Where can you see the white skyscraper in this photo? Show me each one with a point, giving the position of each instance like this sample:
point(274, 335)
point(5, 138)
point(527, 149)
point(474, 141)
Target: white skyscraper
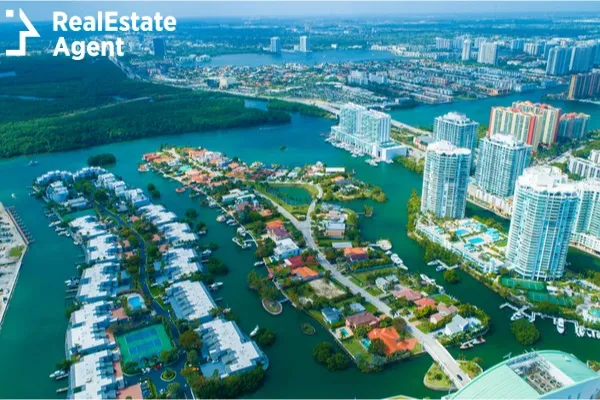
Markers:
point(501, 160)
point(488, 53)
point(367, 131)
point(275, 46)
point(304, 44)
point(544, 213)
point(466, 49)
point(586, 232)
point(457, 129)
point(445, 180)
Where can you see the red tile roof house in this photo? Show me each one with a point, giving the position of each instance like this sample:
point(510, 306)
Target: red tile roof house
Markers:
point(408, 294)
point(296, 261)
point(365, 319)
point(447, 310)
point(437, 317)
point(277, 233)
point(425, 303)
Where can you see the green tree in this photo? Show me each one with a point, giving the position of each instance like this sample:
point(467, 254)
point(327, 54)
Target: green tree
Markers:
point(451, 276)
point(190, 340)
point(525, 331)
point(377, 347)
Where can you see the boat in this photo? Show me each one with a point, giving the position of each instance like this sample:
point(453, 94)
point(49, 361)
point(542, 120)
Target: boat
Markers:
point(384, 244)
point(180, 189)
point(254, 331)
point(143, 168)
point(242, 231)
point(59, 374)
point(259, 263)
point(213, 204)
point(32, 163)
point(207, 253)
point(516, 316)
point(560, 325)
point(221, 218)
point(14, 196)
point(396, 259)
point(215, 286)
point(439, 269)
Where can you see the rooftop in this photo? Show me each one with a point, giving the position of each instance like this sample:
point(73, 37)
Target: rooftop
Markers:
point(528, 376)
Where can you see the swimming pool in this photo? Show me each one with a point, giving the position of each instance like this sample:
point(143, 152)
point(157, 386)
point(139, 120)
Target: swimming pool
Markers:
point(461, 232)
point(344, 332)
point(595, 312)
point(476, 240)
point(135, 302)
point(366, 342)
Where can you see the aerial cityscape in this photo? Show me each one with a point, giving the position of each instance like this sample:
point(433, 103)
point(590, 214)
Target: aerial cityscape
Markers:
point(300, 200)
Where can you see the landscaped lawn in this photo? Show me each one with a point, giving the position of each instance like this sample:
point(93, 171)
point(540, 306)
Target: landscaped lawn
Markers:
point(356, 281)
point(374, 290)
point(444, 298)
point(355, 348)
point(362, 276)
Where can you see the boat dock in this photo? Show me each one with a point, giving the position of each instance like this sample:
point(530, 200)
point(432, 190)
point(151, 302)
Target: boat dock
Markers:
point(18, 222)
point(13, 246)
point(441, 266)
point(580, 330)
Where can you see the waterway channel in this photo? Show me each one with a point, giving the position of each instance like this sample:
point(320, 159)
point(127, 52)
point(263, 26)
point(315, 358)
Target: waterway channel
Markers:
point(32, 338)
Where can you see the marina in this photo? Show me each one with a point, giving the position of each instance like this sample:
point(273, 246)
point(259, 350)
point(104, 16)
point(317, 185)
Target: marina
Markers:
point(13, 245)
point(50, 261)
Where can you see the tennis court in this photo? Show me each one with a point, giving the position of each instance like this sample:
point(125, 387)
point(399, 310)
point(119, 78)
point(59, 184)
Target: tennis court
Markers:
point(544, 297)
point(523, 284)
point(144, 343)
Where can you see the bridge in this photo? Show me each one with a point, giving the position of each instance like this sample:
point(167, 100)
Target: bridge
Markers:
point(335, 109)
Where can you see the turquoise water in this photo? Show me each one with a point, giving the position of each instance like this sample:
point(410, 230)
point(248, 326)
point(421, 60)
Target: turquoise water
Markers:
point(476, 240)
point(479, 110)
point(595, 312)
point(32, 338)
point(135, 302)
point(461, 232)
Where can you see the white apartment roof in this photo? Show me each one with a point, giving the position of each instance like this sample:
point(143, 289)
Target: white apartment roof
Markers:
point(88, 226)
point(93, 376)
point(178, 232)
point(225, 337)
point(97, 281)
point(445, 147)
point(90, 312)
point(190, 300)
point(157, 214)
point(87, 329)
point(179, 261)
point(545, 179)
point(506, 140)
point(457, 118)
point(102, 248)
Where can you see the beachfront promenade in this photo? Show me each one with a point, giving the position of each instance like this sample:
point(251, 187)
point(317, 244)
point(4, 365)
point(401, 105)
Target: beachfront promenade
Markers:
point(430, 344)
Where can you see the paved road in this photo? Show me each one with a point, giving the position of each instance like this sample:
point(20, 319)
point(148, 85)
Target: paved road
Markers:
point(430, 344)
point(154, 375)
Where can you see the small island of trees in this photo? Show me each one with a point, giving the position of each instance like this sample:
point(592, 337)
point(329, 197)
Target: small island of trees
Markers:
point(102, 159)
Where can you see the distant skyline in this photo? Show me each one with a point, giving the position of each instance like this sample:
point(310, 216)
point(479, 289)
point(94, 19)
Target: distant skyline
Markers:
point(42, 10)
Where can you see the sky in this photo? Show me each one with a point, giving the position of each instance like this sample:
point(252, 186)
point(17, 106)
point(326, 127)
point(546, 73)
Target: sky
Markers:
point(42, 10)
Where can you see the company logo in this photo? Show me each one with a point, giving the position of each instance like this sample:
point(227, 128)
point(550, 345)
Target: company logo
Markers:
point(31, 32)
